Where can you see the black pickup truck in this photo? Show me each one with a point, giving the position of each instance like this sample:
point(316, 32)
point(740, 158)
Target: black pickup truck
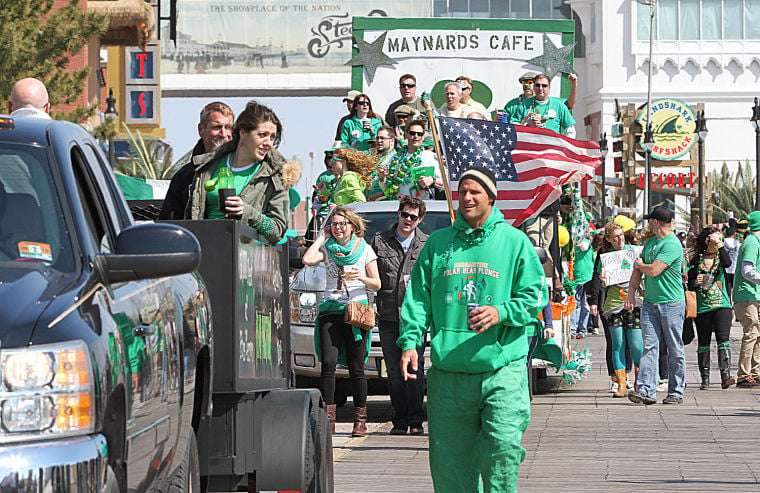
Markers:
point(109, 349)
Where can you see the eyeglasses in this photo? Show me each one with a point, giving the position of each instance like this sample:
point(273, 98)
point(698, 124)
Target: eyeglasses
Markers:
point(384, 138)
point(406, 215)
point(341, 224)
point(407, 86)
point(414, 133)
point(536, 84)
point(363, 103)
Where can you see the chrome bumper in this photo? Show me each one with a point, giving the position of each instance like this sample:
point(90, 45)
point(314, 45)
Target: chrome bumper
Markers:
point(67, 465)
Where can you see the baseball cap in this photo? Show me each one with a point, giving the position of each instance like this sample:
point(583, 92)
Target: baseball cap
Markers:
point(754, 221)
point(403, 110)
point(661, 214)
point(351, 95)
point(527, 76)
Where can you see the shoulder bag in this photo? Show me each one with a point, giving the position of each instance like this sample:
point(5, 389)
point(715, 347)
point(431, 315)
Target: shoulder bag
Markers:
point(358, 314)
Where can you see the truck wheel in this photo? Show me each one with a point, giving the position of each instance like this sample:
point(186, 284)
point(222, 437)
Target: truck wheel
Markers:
point(187, 478)
point(323, 482)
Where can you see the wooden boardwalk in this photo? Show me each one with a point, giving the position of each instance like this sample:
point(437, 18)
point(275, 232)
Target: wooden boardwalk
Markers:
point(581, 439)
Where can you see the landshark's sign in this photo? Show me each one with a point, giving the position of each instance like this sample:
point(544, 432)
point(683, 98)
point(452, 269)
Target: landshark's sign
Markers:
point(673, 124)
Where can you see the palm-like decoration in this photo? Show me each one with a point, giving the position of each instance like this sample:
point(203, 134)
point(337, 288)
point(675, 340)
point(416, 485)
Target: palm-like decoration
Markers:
point(733, 191)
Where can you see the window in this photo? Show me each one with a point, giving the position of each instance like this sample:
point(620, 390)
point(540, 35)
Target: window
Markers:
point(700, 19)
point(501, 9)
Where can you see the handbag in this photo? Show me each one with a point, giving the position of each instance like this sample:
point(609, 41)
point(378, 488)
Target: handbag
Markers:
point(691, 303)
point(358, 314)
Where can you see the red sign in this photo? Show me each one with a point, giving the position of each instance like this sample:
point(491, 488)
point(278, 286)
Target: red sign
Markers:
point(668, 180)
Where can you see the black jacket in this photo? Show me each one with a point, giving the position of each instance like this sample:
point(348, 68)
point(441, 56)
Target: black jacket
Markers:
point(724, 262)
point(393, 265)
point(178, 193)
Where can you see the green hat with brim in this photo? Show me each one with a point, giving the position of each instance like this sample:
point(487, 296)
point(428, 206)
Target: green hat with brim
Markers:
point(754, 221)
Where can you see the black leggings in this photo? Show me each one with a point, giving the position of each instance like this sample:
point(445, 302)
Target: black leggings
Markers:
point(718, 320)
point(334, 333)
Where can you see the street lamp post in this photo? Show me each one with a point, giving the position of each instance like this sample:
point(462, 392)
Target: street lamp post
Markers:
point(701, 131)
point(603, 150)
point(756, 123)
point(648, 146)
point(111, 114)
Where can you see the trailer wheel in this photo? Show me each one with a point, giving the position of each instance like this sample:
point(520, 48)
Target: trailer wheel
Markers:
point(187, 478)
point(323, 482)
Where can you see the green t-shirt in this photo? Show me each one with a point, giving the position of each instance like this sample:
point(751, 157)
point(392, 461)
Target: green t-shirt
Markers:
point(715, 296)
point(240, 177)
point(745, 290)
point(668, 286)
point(554, 113)
point(584, 264)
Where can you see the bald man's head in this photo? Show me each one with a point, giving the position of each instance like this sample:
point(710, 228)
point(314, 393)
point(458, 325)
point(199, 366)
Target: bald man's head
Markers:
point(29, 93)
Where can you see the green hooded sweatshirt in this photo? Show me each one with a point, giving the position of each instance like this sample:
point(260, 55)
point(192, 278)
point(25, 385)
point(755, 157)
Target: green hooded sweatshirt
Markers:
point(494, 265)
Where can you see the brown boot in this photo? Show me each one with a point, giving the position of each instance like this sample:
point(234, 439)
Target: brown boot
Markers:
point(331, 417)
point(622, 389)
point(360, 422)
point(636, 380)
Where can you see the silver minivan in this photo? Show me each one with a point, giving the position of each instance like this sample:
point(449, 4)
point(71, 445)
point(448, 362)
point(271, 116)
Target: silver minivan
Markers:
point(306, 290)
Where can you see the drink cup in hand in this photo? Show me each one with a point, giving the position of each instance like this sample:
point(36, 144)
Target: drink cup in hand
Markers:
point(224, 194)
point(366, 124)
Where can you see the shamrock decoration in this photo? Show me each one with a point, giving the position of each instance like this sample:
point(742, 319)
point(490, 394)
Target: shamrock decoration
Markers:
point(625, 265)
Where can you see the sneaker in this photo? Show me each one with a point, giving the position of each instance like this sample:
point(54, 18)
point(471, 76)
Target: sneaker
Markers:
point(628, 383)
point(639, 398)
point(613, 386)
point(672, 399)
point(398, 430)
point(662, 385)
point(594, 331)
point(580, 336)
point(750, 382)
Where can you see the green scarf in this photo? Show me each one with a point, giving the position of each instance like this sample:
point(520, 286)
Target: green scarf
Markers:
point(345, 254)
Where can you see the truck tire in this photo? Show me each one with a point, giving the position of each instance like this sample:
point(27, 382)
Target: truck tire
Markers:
point(323, 482)
point(187, 479)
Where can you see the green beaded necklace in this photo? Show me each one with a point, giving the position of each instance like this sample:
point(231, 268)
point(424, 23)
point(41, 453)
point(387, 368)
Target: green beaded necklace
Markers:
point(400, 171)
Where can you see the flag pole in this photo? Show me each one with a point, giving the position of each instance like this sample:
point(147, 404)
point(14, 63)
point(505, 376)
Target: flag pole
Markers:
point(444, 171)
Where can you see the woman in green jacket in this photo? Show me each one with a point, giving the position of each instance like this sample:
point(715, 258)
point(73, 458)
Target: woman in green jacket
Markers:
point(362, 127)
point(260, 174)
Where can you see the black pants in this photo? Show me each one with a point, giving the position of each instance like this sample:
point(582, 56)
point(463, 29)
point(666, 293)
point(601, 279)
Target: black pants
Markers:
point(334, 333)
point(717, 320)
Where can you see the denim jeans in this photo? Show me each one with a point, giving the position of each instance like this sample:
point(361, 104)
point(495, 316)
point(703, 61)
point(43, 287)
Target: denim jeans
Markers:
point(580, 316)
point(662, 321)
point(406, 397)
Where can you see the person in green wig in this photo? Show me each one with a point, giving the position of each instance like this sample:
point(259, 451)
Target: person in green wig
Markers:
point(477, 302)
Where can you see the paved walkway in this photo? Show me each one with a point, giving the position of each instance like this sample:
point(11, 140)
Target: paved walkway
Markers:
point(581, 439)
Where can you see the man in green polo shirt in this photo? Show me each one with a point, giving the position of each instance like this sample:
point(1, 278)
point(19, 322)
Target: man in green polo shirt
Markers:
point(663, 310)
point(746, 296)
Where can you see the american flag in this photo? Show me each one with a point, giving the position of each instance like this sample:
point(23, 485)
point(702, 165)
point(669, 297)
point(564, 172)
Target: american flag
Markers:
point(531, 164)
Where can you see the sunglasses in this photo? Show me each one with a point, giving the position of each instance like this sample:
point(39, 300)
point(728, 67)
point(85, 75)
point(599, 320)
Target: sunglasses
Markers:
point(540, 85)
point(466, 88)
point(407, 86)
point(406, 215)
point(414, 133)
point(527, 82)
point(363, 103)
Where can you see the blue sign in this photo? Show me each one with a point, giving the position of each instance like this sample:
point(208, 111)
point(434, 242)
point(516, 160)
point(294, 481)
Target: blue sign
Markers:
point(141, 105)
point(141, 65)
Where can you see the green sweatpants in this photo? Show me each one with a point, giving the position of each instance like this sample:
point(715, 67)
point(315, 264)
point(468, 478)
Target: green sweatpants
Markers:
point(476, 423)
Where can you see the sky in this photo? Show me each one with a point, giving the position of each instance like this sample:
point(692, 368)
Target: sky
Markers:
point(308, 124)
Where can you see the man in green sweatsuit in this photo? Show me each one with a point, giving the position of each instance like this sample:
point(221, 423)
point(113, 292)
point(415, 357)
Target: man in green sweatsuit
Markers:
point(478, 402)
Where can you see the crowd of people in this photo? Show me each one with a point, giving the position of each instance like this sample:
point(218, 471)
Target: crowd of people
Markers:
point(482, 313)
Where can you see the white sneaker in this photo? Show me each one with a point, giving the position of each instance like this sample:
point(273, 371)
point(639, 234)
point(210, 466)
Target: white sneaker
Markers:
point(594, 331)
point(628, 383)
point(662, 386)
point(613, 386)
